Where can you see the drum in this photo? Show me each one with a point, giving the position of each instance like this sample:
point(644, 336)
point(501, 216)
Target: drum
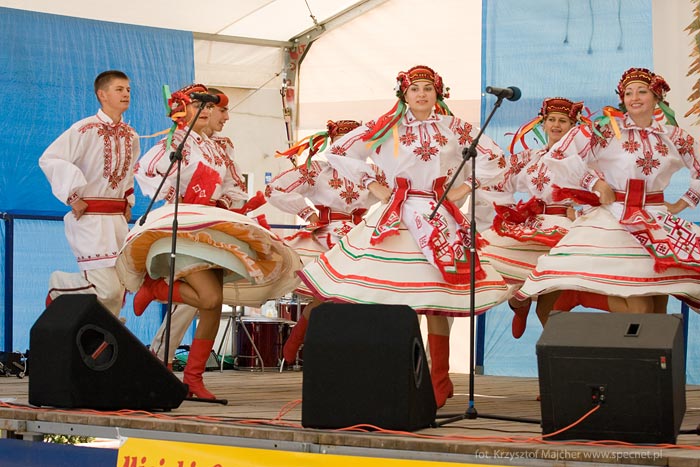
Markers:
point(259, 342)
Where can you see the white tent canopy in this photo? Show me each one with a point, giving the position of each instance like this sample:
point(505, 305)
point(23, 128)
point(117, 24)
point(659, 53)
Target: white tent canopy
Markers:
point(241, 20)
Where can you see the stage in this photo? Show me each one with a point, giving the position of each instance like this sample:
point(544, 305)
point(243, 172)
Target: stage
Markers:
point(264, 412)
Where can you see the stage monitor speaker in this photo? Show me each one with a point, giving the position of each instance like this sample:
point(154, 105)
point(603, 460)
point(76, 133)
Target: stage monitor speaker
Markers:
point(365, 364)
point(82, 356)
point(633, 365)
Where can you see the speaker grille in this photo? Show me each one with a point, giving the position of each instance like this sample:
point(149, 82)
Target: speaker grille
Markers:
point(83, 357)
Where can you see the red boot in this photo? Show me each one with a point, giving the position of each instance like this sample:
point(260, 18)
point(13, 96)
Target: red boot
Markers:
point(154, 289)
point(196, 364)
point(439, 347)
point(295, 339)
point(568, 299)
point(594, 300)
point(520, 310)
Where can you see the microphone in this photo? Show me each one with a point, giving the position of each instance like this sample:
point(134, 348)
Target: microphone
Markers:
point(219, 99)
point(511, 93)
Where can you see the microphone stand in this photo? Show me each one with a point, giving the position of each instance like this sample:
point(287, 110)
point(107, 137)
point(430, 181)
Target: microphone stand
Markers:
point(469, 153)
point(175, 158)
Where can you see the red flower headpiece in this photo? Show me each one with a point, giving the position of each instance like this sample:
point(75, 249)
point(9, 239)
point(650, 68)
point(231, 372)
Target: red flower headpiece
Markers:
point(180, 99)
point(656, 83)
point(573, 110)
point(318, 141)
point(563, 106)
point(340, 127)
point(421, 73)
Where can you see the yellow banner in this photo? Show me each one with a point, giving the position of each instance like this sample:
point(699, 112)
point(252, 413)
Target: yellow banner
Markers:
point(137, 452)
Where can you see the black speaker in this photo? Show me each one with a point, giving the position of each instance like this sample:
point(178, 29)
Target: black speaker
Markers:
point(633, 365)
point(82, 356)
point(365, 364)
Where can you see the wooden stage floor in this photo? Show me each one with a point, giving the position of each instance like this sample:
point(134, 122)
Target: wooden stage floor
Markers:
point(264, 411)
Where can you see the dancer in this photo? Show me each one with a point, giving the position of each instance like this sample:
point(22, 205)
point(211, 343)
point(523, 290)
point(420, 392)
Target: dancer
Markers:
point(633, 247)
point(338, 205)
point(214, 245)
point(90, 168)
point(396, 255)
point(182, 314)
point(522, 233)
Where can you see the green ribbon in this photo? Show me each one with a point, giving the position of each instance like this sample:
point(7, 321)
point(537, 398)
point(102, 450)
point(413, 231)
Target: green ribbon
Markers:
point(401, 109)
point(668, 113)
point(166, 99)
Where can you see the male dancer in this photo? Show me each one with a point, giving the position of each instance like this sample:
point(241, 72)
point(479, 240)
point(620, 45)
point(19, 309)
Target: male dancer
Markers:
point(90, 169)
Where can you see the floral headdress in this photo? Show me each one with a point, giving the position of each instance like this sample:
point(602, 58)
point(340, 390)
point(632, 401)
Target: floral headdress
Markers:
point(387, 122)
point(178, 101)
point(340, 127)
point(175, 107)
point(319, 141)
point(657, 84)
point(573, 110)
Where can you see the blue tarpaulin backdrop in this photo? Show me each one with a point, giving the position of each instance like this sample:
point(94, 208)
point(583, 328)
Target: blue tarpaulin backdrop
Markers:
point(49, 64)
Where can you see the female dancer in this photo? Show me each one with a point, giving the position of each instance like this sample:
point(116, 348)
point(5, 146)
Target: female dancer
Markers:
point(214, 245)
point(397, 255)
point(338, 205)
point(523, 233)
point(633, 247)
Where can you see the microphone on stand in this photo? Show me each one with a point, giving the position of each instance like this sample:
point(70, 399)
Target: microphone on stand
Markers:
point(219, 99)
point(511, 93)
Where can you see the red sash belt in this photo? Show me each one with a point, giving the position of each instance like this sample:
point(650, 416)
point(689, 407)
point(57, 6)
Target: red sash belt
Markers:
point(635, 197)
point(555, 210)
point(105, 205)
point(326, 215)
point(391, 217)
point(576, 195)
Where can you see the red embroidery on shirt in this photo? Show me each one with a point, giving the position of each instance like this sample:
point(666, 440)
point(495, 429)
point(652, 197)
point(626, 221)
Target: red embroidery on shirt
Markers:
point(425, 151)
point(685, 145)
point(464, 133)
point(408, 138)
point(648, 163)
point(631, 146)
point(349, 194)
point(381, 177)
point(558, 154)
point(516, 163)
point(308, 176)
point(440, 139)
point(602, 141)
point(661, 149)
point(117, 161)
point(540, 180)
